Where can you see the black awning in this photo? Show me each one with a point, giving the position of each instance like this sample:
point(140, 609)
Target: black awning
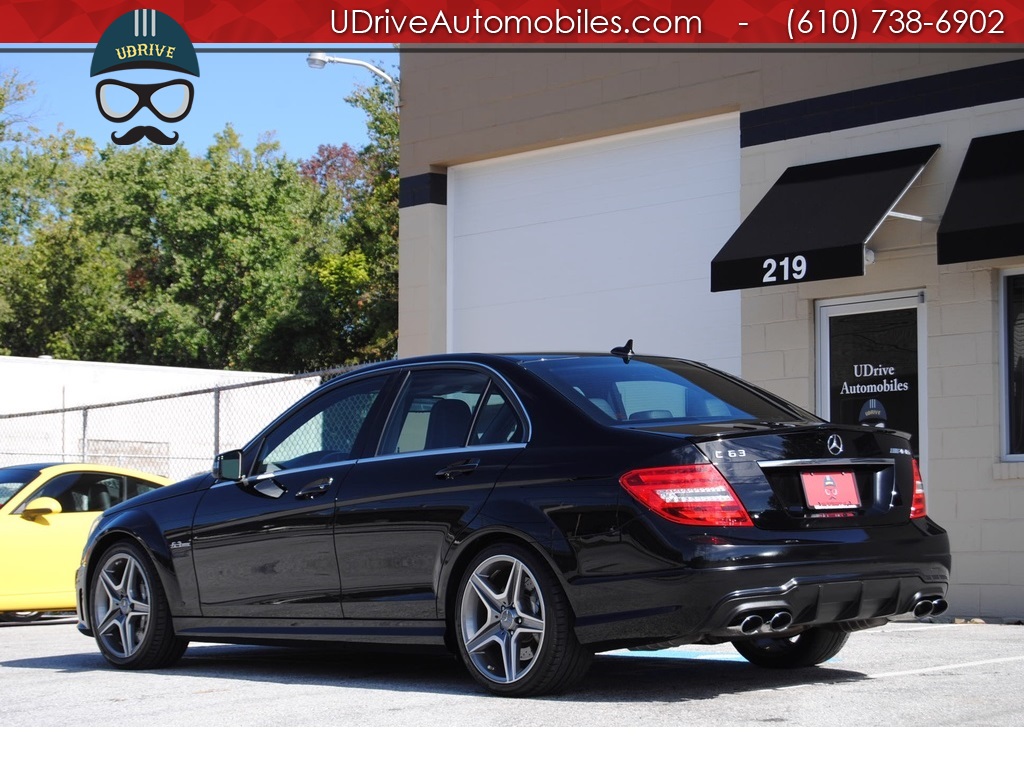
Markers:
point(984, 218)
point(813, 223)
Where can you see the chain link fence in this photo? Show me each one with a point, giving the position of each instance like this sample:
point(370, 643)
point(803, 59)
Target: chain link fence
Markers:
point(173, 435)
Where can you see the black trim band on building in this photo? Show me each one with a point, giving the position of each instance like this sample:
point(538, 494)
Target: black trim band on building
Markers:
point(984, 218)
point(883, 103)
point(423, 189)
point(814, 222)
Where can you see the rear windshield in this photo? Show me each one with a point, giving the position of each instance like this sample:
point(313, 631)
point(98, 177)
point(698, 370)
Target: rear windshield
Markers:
point(658, 389)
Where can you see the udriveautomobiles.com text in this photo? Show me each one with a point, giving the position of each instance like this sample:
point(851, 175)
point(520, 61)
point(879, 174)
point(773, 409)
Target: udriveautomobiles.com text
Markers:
point(583, 22)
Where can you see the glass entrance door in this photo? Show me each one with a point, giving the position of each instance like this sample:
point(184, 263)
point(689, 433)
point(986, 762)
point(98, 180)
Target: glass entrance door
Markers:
point(871, 363)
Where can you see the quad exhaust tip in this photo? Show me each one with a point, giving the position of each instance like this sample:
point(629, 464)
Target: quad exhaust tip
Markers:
point(930, 606)
point(754, 623)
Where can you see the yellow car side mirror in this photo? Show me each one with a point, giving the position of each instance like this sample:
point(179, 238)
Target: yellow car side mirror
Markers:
point(41, 505)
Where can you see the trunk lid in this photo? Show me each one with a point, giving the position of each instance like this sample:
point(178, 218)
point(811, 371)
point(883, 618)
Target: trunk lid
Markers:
point(796, 477)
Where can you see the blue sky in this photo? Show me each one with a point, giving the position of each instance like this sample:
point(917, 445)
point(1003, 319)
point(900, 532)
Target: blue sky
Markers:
point(257, 92)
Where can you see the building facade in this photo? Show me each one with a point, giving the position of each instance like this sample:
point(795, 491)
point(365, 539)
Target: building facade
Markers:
point(843, 227)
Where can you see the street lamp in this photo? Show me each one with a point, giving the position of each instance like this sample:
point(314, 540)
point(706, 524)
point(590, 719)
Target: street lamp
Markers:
point(319, 60)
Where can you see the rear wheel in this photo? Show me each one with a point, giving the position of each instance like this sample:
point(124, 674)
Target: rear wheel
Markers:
point(131, 619)
point(514, 625)
point(808, 649)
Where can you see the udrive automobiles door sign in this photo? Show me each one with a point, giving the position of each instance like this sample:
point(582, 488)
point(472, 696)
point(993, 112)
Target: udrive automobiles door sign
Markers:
point(867, 370)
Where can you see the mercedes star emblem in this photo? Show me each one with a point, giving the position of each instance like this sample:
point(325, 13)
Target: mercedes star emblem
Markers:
point(834, 444)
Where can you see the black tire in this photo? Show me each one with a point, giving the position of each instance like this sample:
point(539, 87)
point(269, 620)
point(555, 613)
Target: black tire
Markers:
point(129, 614)
point(514, 625)
point(808, 649)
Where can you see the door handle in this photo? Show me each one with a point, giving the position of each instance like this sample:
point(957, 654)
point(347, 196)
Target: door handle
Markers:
point(458, 468)
point(316, 488)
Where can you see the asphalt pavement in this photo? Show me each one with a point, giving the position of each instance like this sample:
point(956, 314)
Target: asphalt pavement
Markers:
point(905, 674)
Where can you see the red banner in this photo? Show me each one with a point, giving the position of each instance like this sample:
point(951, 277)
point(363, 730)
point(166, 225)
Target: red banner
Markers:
point(550, 22)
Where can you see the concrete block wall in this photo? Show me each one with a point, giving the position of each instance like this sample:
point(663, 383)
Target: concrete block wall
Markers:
point(972, 492)
point(461, 106)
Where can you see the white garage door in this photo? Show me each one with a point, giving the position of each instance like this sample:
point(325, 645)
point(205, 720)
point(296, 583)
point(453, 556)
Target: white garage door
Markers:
point(578, 248)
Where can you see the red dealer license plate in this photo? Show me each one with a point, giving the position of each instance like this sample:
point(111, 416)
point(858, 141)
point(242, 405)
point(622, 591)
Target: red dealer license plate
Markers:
point(831, 491)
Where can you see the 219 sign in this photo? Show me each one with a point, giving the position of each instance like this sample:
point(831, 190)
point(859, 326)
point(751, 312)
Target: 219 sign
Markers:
point(785, 269)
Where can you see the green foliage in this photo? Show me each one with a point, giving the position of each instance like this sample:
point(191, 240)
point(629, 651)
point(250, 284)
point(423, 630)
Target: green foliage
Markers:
point(361, 280)
point(13, 93)
point(36, 174)
point(235, 259)
point(372, 228)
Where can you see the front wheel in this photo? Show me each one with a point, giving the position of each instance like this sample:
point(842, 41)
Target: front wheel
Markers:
point(131, 619)
point(808, 649)
point(514, 625)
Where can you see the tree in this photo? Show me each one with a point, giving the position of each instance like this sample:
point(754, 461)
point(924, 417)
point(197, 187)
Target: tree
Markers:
point(361, 280)
point(152, 255)
point(36, 174)
point(213, 249)
point(13, 92)
point(233, 259)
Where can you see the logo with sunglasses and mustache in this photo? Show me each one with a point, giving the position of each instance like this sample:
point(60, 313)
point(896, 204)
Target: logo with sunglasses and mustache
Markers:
point(144, 40)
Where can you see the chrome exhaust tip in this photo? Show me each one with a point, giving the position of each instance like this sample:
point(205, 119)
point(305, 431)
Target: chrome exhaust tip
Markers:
point(751, 624)
point(780, 621)
point(923, 608)
point(939, 606)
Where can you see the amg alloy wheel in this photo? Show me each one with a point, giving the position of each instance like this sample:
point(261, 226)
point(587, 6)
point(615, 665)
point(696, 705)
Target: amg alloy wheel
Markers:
point(514, 625)
point(130, 616)
point(808, 649)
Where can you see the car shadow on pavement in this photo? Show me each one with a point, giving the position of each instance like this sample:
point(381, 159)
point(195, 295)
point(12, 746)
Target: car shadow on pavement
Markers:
point(669, 676)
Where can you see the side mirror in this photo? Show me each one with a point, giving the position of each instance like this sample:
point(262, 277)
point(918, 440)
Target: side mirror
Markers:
point(228, 466)
point(41, 505)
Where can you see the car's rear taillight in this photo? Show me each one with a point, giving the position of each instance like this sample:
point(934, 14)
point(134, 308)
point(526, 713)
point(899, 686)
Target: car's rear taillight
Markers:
point(918, 508)
point(693, 494)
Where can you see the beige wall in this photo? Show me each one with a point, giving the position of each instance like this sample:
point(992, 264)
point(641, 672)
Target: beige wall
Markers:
point(422, 280)
point(973, 493)
point(461, 106)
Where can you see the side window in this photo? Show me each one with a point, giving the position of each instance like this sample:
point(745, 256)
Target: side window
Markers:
point(139, 487)
point(8, 489)
point(434, 410)
point(497, 421)
point(83, 491)
point(324, 432)
point(1014, 364)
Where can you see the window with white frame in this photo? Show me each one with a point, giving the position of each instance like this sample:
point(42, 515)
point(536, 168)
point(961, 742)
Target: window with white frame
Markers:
point(1013, 304)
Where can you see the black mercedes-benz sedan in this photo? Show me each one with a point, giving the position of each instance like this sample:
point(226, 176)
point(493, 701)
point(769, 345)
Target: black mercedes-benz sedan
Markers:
point(526, 511)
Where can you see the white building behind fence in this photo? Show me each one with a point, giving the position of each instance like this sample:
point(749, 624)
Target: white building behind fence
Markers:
point(170, 421)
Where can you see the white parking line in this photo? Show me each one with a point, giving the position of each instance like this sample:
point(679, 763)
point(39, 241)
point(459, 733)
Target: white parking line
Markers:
point(916, 627)
point(944, 667)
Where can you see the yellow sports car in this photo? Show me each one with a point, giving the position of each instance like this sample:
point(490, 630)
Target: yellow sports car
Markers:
point(46, 511)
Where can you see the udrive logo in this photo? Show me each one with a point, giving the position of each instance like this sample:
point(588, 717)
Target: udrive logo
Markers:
point(144, 46)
